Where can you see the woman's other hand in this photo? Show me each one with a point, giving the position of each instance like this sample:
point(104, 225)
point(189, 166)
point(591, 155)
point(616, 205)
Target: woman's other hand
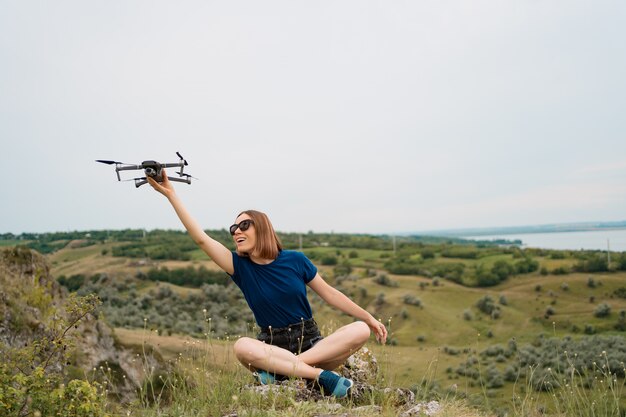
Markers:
point(379, 329)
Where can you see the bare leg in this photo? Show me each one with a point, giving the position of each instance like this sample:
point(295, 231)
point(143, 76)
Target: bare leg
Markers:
point(334, 349)
point(329, 353)
point(254, 354)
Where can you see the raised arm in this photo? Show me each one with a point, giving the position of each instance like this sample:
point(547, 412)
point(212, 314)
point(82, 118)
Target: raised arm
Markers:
point(220, 254)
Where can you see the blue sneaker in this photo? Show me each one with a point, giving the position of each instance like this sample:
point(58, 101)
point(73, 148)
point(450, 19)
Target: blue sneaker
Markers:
point(264, 377)
point(334, 384)
point(343, 388)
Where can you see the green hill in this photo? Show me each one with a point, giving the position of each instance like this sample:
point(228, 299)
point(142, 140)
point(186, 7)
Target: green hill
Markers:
point(461, 316)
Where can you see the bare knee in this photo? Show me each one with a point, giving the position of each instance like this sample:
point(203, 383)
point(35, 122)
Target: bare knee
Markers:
point(246, 349)
point(361, 332)
point(358, 333)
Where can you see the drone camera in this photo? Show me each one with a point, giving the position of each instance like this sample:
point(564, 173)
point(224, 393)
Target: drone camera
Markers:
point(152, 169)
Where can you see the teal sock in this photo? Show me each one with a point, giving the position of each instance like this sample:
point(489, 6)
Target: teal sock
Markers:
point(328, 380)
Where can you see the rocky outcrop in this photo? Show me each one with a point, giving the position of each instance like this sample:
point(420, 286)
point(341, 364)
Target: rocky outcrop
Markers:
point(32, 303)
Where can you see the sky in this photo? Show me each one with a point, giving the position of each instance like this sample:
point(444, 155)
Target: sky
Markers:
point(352, 116)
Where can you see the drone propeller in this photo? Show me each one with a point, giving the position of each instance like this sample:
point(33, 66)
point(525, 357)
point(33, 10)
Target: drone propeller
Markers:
point(183, 159)
point(108, 162)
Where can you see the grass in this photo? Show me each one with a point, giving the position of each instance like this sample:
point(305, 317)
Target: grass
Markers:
point(439, 323)
point(207, 380)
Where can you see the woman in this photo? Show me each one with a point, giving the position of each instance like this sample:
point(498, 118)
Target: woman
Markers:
point(274, 282)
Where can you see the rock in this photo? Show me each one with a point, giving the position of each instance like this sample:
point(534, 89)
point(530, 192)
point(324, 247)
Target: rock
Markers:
point(422, 409)
point(361, 367)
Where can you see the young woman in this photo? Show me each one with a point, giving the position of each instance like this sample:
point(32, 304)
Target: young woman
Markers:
point(273, 282)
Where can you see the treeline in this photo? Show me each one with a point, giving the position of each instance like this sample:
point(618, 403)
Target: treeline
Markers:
point(173, 244)
point(472, 268)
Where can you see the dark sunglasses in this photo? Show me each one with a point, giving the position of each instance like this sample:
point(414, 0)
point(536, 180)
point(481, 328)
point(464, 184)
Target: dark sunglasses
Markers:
point(242, 225)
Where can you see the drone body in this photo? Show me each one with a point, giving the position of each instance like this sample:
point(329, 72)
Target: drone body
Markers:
point(152, 169)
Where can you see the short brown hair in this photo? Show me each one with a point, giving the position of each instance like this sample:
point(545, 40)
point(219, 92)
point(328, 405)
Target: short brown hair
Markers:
point(268, 244)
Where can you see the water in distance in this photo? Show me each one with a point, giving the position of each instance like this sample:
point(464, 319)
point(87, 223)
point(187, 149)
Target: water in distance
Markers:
point(614, 239)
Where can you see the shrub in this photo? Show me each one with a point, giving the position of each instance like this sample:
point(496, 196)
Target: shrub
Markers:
point(503, 300)
point(412, 300)
point(384, 280)
point(486, 304)
point(561, 270)
point(591, 283)
point(343, 269)
point(602, 310)
point(596, 262)
point(32, 376)
point(526, 266)
point(620, 292)
point(329, 260)
point(73, 283)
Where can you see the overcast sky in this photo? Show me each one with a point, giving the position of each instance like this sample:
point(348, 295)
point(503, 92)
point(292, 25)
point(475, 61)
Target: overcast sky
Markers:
point(347, 116)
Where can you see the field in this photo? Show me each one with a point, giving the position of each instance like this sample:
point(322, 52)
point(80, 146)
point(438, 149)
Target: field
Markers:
point(436, 326)
point(445, 333)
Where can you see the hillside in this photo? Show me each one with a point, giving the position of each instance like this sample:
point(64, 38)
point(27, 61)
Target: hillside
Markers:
point(49, 337)
point(447, 332)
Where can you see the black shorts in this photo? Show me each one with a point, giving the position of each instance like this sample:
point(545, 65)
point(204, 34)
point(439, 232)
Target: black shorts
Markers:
point(296, 338)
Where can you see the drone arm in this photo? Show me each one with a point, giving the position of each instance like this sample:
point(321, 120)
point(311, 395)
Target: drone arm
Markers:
point(173, 164)
point(185, 180)
point(128, 168)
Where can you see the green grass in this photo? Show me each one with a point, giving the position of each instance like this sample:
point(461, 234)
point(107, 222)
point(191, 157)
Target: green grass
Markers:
point(13, 242)
point(439, 323)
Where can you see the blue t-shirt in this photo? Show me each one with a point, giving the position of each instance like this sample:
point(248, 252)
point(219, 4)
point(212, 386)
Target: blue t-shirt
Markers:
point(276, 292)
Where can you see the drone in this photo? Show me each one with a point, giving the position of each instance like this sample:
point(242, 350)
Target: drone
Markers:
point(152, 169)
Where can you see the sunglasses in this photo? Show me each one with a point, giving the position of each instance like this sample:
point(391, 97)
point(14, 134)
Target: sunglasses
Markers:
point(242, 225)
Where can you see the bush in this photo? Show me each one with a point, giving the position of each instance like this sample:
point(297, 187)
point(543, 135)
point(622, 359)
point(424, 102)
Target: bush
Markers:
point(486, 305)
point(591, 283)
point(596, 262)
point(32, 376)
point(412, 300)
point(503, 300)
point(328, 260)
point(602, 310)
point(384, 280)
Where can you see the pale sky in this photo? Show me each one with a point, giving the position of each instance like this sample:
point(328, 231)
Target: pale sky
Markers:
point(347, 116)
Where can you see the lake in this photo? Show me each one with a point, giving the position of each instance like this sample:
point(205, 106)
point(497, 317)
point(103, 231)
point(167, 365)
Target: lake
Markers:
point(595, 239)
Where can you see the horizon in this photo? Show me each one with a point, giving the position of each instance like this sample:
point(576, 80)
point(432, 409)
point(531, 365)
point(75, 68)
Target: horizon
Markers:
point(562, 227)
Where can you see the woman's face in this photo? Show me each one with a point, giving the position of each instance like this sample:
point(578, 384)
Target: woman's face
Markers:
point(245, 240)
